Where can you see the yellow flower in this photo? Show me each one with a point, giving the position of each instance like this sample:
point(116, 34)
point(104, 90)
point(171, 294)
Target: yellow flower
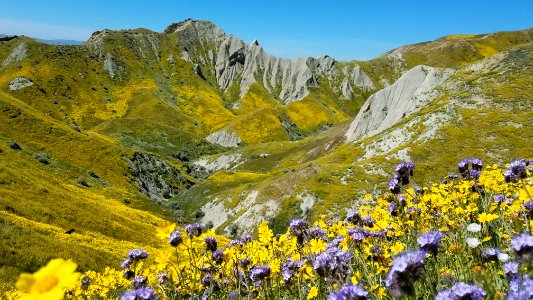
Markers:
point(397, 247)
point(381, 293)
point(164, 231)
point(50, 282)
point(484, 217)
point(265, 234)
point(313, 292)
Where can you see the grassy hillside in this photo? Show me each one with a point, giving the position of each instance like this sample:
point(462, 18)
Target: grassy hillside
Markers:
point(65, 139)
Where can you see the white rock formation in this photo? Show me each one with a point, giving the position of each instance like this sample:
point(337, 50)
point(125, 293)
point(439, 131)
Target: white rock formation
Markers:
point(360, 79)
point(224, 138)
point(388, 106)
point(234, 60)
point(19, 83)
point(223, 162)
point(18, 54)
point(112, 67)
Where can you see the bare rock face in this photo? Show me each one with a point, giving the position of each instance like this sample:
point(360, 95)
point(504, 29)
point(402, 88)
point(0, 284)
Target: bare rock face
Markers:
point(233, 61)
point(360, 79)
point(19, 83)
point(112, 67)
point(155, 177)
point(18, 54)
point(388, 106)
point(224, 138)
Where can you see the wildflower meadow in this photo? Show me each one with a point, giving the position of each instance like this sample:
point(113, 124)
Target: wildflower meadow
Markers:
point(467, 237)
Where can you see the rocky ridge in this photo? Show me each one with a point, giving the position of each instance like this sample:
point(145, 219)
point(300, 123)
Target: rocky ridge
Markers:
point(234, 62)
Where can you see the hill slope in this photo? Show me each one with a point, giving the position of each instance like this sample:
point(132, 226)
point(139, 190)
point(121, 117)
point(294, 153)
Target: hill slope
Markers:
point(137, 127)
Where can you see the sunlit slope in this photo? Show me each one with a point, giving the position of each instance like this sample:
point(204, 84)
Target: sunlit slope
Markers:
point(483, 110)
point(41, 200)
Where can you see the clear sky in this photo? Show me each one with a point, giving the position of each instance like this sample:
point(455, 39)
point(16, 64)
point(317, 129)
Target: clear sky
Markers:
point(343, 29)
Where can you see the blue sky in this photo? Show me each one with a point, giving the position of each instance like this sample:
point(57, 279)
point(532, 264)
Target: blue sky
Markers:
point(343, 29)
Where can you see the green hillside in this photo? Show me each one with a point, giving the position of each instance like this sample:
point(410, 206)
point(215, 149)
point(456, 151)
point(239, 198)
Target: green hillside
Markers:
point(109, 138)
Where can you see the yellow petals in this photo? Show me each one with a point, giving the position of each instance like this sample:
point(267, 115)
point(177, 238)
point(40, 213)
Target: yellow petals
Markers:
point(397, 247)
point(484, 217)
point(313, 292)
point(51, 281)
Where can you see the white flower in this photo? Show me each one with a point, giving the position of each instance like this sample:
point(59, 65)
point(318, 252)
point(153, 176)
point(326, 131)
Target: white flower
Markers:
point(472, 242)
point(503, 257)
point(473, 227)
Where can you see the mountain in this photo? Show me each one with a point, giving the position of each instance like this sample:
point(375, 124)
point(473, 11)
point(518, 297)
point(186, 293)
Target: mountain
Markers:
point(134, 127)
point(60, 42)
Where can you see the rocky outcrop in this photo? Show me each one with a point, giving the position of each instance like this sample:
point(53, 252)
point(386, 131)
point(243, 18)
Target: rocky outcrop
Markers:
point(231, 61)
point(223, 162)
point(19, 83)
point(388, 106)
point(113, 68)
point(224, 139)
point(18, 54)
point(155, 177)
point(286, 79)
point(360, 79)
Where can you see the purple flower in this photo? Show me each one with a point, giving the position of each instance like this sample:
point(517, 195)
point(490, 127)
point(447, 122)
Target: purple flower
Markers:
point(210, 243)
point(353, 217)
point(394, 185)
point(259, 273)
point(194, 229)
point(404, 170)
point(85, 282)
point(475, 170)
point(334, 262)
point(511, 268)
point(357, 234)
point(317, 233)
point(234, 295)
point(139, 282)
point(528, 206)
point(452, 176)
point(393, 209)
point(349, 292)
point(247, 238)
point(288, 269)
point(143, 293)
point(520, 295)
point(162, 278)
point(517, 171)
point(490, 254)
point(128, 274)
point(445, 295)
point(521, 283)
point(207, 280)
point(126, 263)
point(298, 228)
point(234, 243)
point(367, 221)
point(430, 241)
point(137, 254)
point(499, 198)
point(462, 291)
point(218, 256)
point(406, 268)
point(245, 262)
point(522, 245)
point(175, 238)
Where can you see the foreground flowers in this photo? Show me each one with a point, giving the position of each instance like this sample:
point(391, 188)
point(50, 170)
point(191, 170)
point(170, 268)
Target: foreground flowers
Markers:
point(50, 282)
point(465, 238)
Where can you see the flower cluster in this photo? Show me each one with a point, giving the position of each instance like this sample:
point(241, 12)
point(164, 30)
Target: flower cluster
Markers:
point(444, 241)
